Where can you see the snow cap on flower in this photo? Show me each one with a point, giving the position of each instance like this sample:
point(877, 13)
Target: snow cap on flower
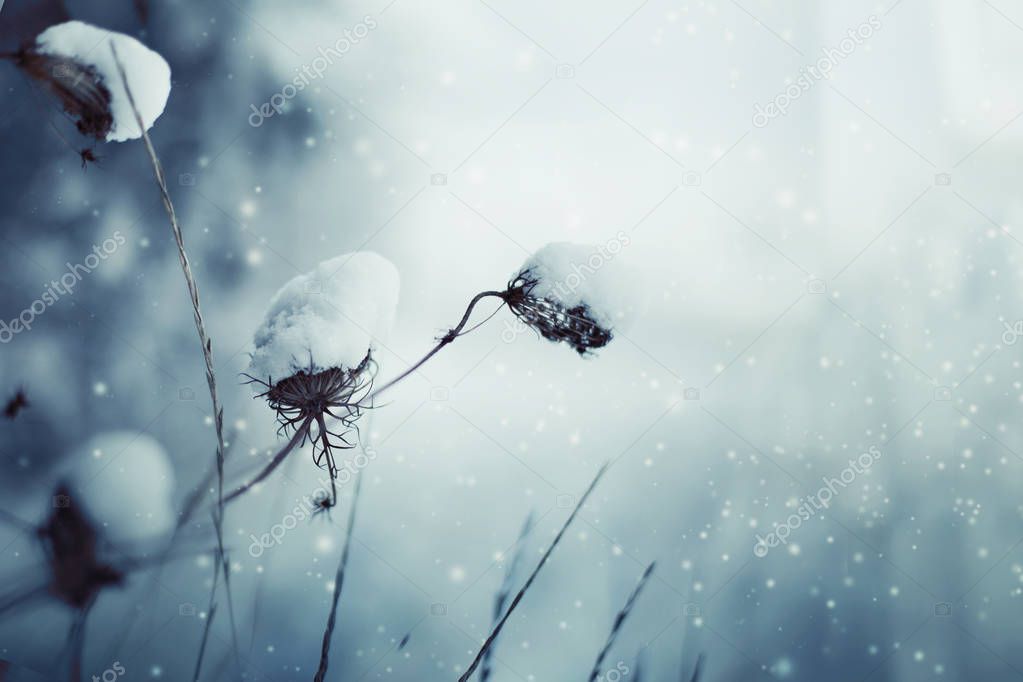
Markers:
point(75, 61)
point(123, 482)
point(576, 293)
point(328, 318)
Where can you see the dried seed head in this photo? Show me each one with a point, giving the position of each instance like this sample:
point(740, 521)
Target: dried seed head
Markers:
point(71, 543)
point(78, 86)
point(310, 397)
point(581, 294)
point(75, 61)
point(553, 320)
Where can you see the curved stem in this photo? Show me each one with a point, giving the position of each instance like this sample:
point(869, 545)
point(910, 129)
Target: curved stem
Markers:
point(452, 334)
point(275, 462)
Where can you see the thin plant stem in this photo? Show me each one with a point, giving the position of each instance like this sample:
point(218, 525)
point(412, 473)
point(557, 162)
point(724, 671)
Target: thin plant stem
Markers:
point(452, 334)
point(486, 669)
point(76, 641)
point(339, 580)
point(619, 622)
point(697, 669)
point(8, 603)
point(532, 576)
point(200, 327)
point(205, 638)
point(297, 438)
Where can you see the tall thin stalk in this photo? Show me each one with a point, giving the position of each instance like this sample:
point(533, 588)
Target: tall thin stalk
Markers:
point(222, 562)
point(619, 622)
point(532, 576)
point(339, 580)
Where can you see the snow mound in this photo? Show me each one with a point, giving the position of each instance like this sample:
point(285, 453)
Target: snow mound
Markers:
point(330, 317)
point(596, 276)
point(125, 484)
point(147, 72)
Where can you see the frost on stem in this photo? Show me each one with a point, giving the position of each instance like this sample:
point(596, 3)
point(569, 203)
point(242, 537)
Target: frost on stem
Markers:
point(67, 61)
point(313, 355)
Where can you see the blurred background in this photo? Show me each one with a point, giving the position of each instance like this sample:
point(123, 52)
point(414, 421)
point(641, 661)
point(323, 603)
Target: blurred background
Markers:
point(841, 277)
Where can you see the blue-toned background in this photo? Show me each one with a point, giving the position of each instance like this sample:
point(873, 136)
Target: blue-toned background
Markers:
point(842, 277)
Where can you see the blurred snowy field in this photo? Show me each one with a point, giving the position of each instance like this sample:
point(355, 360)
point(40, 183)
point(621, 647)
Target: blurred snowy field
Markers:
point(845, 277)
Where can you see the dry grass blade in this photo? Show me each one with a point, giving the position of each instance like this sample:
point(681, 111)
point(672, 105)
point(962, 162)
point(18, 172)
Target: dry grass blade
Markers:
point(339, 580)
point(697, 670)
point(205, 638)
point(486, 670)
point(616, 628)
point(222, 562)
point(532, 576)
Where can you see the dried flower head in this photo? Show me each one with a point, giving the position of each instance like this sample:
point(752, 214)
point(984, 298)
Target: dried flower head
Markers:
point(571, 293)
point(331, 318)
point(79, 87)
point(309, 397)
point(73, 60)
point(71, 544)
point(552, 319)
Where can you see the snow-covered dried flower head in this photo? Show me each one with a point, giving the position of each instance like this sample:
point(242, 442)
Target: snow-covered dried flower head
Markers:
point(113, 492)
point(314, 350)
point(72, 545)
point(75, 62)
point(576, 293)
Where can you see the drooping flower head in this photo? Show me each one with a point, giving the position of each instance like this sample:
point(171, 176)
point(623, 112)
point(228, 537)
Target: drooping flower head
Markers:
point(313, 353)
point(114, 492)
point(74, 61)
point(571, 293)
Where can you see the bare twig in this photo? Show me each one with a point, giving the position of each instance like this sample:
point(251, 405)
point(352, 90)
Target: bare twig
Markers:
point(504, 593)
point(616, 628)
point(339, 580)
point(529, 582)
point(222, 562)
point(452, 334)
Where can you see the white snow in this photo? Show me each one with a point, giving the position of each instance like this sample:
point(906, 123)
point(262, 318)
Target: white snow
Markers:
point(125, 484)
point(596, 276)
point(329, 317)
point(147, 72)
